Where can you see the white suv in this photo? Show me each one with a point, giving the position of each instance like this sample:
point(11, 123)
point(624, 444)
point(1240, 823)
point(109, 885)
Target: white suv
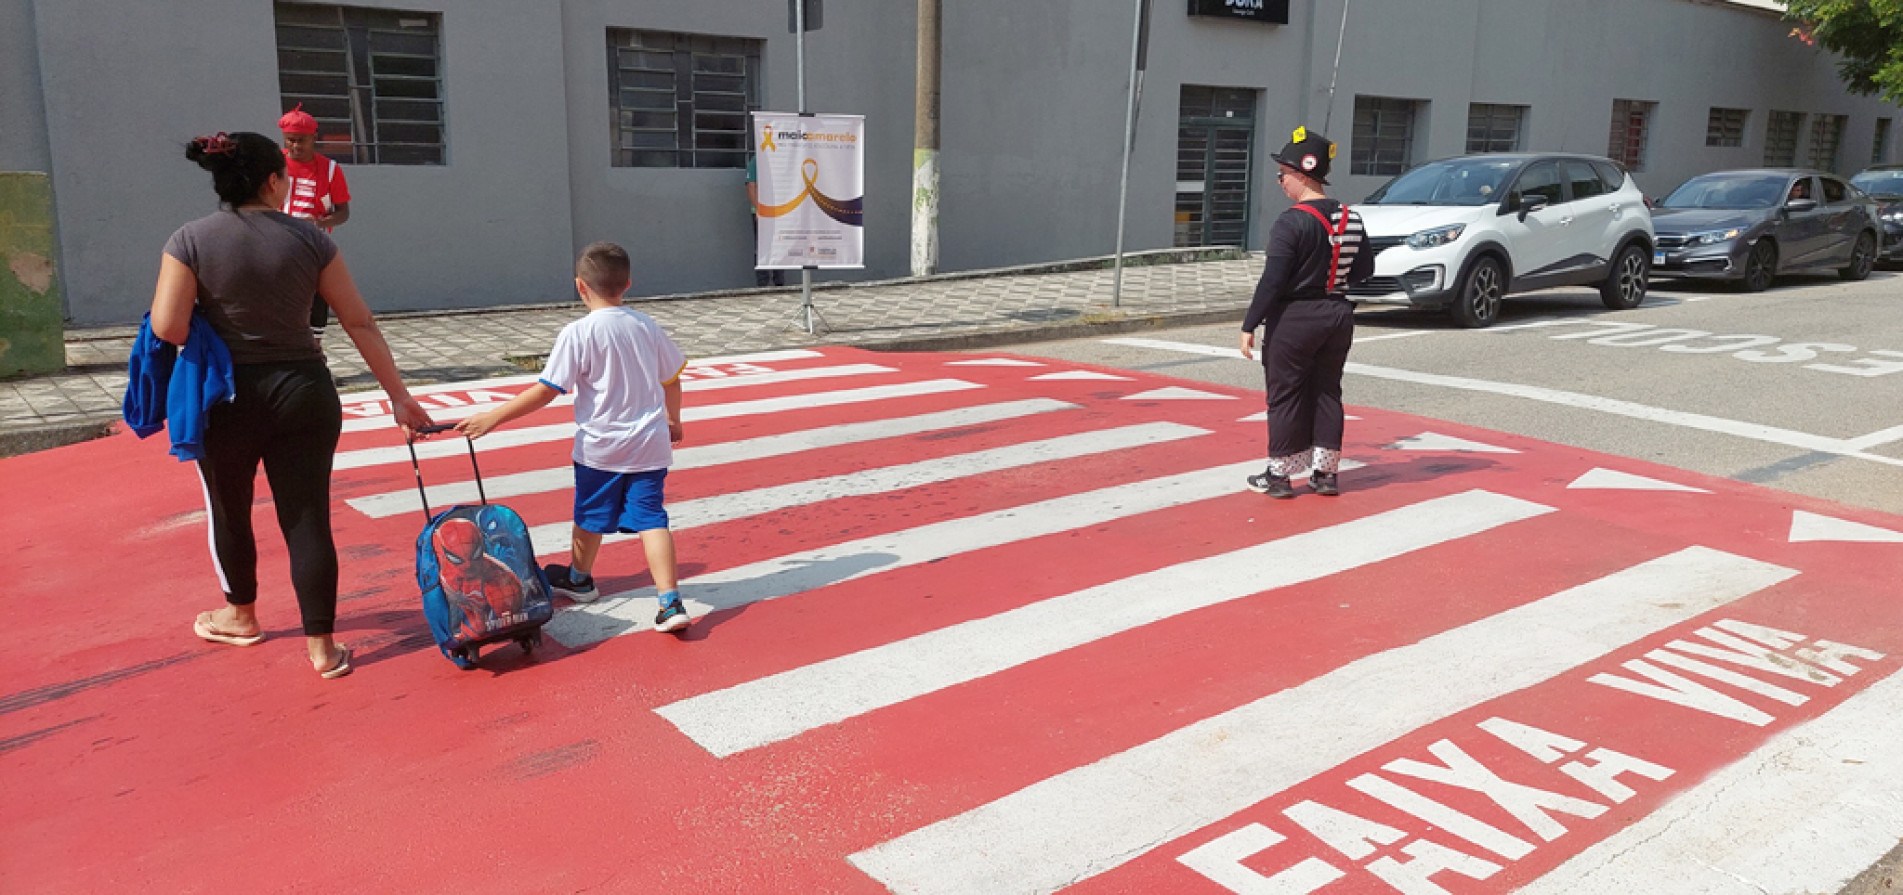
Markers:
point(1463, 233)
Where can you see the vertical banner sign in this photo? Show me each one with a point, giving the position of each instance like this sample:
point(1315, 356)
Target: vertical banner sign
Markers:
point(812, 187)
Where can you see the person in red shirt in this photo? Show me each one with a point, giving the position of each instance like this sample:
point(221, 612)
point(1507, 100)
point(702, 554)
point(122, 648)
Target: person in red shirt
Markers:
point(317, 191)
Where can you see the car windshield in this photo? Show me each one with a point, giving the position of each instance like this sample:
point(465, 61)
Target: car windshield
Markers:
point(1468, 181)
point(1880, 183)
point(1729, 191)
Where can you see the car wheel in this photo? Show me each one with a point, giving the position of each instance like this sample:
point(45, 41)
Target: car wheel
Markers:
point(1760, 267)
point(1624, 288)
point(1862, 258)
point(1477, 305)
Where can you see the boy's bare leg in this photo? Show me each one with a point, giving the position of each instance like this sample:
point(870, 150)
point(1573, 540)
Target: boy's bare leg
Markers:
point(659, 544)
point(583, 547)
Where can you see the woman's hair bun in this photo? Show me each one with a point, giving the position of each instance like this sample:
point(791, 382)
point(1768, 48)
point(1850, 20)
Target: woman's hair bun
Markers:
point(208, 151)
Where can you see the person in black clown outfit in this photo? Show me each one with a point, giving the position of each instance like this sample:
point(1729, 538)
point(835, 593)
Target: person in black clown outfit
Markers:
point(1316, 248)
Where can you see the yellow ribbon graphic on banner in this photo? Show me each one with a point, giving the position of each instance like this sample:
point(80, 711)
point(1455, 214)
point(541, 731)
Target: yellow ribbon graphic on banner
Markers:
point(766, 142)
point(848, 211)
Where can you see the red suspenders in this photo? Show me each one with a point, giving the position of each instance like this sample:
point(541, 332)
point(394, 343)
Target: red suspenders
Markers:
point(1334, 261)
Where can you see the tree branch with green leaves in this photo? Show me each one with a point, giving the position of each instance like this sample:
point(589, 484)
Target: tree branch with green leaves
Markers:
point(1868, 34)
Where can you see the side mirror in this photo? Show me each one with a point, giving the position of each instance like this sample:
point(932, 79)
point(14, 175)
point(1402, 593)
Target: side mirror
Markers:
point(1801, 205)
point(1531, 203)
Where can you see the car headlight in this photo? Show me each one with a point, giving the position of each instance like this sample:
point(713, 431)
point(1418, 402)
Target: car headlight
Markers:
point(1437, 237)
point(1892, 217)
point(1714, 237)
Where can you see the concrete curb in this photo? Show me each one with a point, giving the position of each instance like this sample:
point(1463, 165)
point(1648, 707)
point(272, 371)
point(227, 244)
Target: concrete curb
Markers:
point(1151, 258)
point(31, 439)
point(38, 438)
point(1057, 331)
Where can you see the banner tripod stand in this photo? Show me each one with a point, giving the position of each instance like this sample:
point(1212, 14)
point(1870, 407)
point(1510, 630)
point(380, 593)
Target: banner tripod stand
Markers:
point(808, 316)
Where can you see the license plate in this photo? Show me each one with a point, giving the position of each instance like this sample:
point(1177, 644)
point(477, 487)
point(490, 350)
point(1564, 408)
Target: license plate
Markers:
point(1658, 258)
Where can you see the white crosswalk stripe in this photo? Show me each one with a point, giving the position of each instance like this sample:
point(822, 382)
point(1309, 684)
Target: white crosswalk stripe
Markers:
point(787, 704)
point(553, 538)
point(1107, 804)
point(1094, 818)
point(391, 503)
point(808, 570)
point(451, 447)
point(461, 410)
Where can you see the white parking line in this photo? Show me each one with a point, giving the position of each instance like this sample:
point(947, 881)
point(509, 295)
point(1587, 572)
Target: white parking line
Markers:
point(1855, 449)
point(1875, 439)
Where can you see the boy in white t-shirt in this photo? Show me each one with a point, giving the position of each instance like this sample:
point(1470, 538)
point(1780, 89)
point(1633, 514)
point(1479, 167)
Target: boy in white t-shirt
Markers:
point(626, 376)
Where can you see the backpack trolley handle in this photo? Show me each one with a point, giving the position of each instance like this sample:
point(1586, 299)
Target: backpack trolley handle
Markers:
point(418, 467)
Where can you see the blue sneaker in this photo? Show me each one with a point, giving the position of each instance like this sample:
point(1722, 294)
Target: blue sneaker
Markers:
point(673, 616)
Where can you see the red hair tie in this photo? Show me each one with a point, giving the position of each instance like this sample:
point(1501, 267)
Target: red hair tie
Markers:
point(217, 144)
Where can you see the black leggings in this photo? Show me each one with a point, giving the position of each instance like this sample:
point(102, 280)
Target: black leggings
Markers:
point(287, 416)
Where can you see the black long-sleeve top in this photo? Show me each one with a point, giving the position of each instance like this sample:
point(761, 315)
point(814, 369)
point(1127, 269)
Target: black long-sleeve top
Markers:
point(1299, 256)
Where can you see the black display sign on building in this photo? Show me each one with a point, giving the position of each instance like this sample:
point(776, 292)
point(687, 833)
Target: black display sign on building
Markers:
point(1274, 12)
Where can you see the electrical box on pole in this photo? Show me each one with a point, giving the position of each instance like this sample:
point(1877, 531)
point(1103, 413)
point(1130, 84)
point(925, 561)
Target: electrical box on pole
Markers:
point(813, 11)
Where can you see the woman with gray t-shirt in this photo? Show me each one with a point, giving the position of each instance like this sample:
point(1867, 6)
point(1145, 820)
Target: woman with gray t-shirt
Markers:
point(251, 272)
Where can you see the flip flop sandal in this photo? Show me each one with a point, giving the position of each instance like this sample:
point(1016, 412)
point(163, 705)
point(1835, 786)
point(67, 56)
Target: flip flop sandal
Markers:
point(203, 627)
point(341, 668)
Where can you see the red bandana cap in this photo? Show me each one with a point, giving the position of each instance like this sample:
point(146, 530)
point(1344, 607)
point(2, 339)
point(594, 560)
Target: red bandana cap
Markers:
point(298, 121)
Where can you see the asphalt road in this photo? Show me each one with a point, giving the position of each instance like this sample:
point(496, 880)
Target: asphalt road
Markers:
point(1799, 388)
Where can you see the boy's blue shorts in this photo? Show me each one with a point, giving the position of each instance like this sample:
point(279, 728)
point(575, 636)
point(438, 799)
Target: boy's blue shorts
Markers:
point(609, 502)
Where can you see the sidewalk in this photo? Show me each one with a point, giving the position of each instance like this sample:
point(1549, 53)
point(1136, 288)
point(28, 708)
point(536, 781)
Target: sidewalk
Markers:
point(946, 312)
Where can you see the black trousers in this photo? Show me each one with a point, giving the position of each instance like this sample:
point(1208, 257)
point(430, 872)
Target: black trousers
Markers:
point(1303, 354)
point(286, 416)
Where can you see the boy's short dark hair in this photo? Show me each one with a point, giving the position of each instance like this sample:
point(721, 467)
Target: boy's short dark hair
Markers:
point(606, 269)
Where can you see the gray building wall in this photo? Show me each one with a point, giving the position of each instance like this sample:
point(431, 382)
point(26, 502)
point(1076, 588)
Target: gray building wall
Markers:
point(1568, 61)
point(103, 94)
point(22, 115)
point(690, 229)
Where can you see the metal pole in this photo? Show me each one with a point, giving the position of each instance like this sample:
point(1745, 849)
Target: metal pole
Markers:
point(1328, 118)
point(925, 142)
point(1123, 186)
point(799, 51)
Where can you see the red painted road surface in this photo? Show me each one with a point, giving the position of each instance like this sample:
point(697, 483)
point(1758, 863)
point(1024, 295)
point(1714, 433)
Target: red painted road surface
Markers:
point(1486, 657)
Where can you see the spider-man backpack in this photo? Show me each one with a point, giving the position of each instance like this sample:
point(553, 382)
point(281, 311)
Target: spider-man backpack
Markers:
point(478, 574)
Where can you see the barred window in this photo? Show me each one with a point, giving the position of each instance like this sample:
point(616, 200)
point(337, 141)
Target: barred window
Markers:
point(1631, 119)
point(1880, 152)
point(1383, 135)
point(681, 100)
point(1726, 127)
point(1826, 137)
point(373, 79)
point(1780, 139)
point(1492, 127)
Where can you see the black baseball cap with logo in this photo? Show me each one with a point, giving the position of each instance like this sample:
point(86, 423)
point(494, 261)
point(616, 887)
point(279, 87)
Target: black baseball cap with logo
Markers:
point(1309, 153)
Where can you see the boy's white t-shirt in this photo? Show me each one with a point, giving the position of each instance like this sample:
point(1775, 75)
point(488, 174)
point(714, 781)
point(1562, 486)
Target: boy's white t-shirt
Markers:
point(616, 361)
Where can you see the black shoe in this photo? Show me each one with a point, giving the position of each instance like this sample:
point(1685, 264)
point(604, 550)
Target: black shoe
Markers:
point(672, 617)
point(1276, 486)
point(564, 581)
point(1325, 483)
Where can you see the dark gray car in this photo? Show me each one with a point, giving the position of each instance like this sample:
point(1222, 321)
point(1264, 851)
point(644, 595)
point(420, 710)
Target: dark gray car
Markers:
point(1884, 183)
point(1750, 226)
